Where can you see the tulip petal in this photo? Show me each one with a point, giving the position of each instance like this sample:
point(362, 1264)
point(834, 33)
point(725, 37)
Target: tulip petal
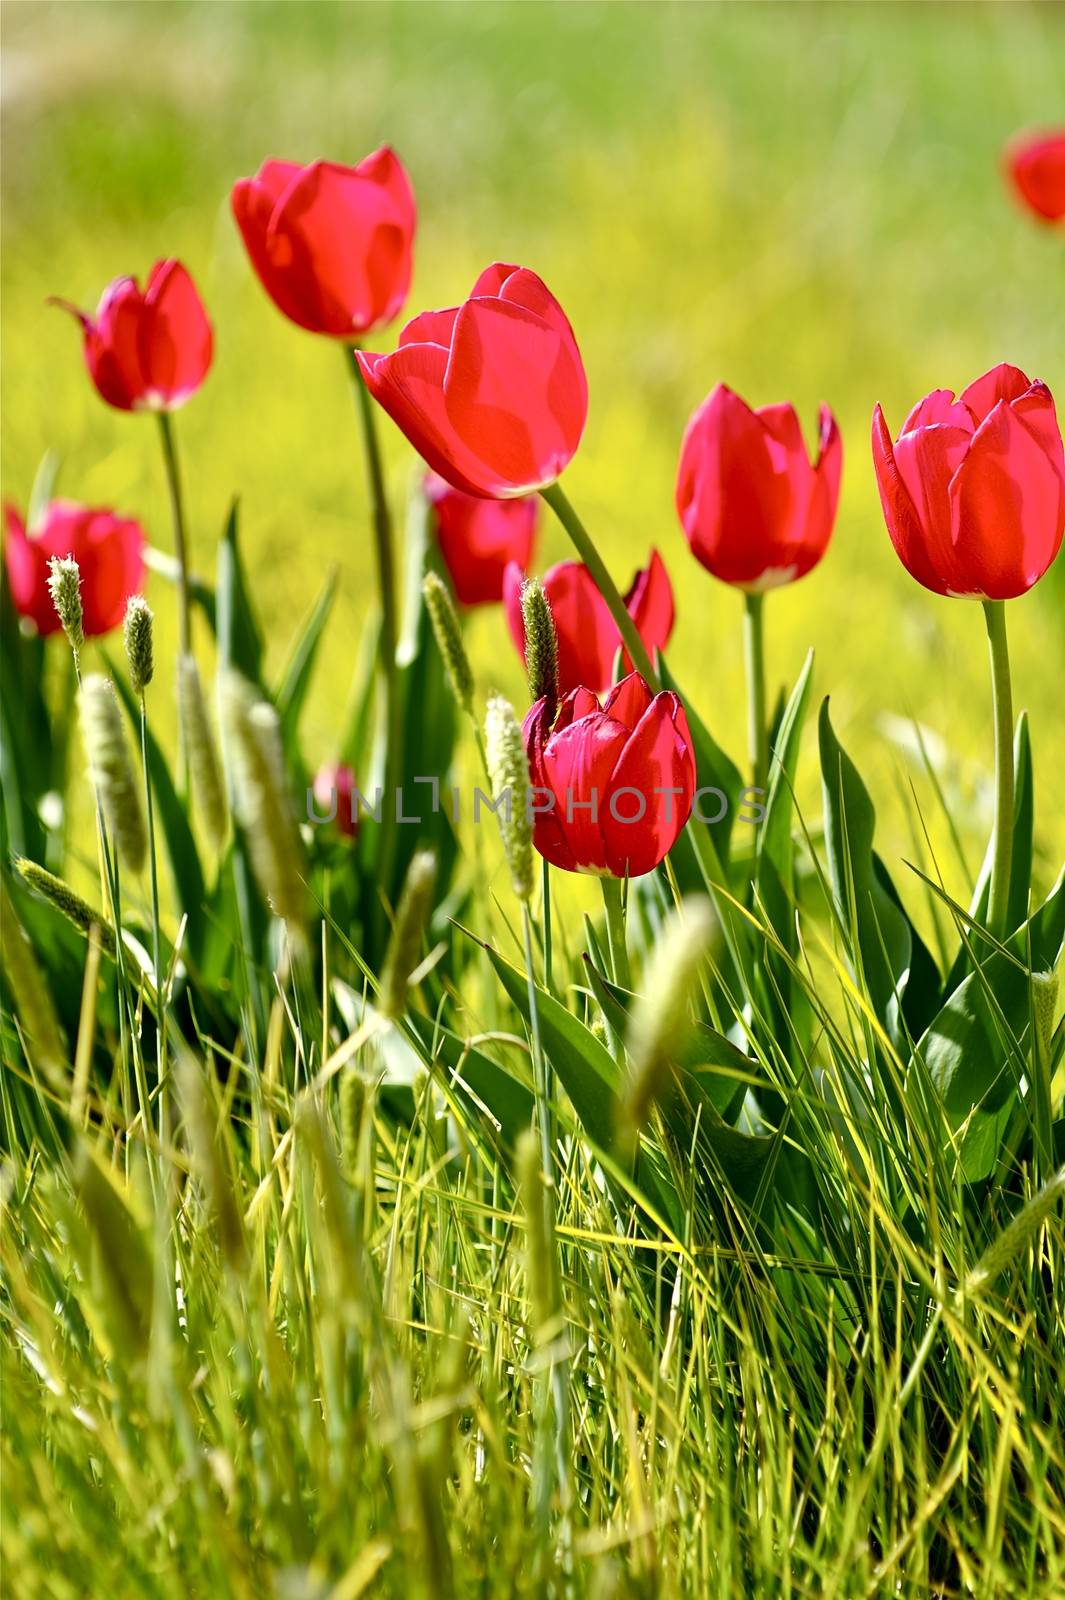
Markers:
point(252, 203)
point(628, 700)
point(343, 239)
point(927, 460)
point(900, 514)
point(515, 386)
point(27, 573)
point(939, 406)
point(409, 385)
point(174, 340)
point(650, 604)
point(430, 327)
point(657, 764)
point(731, 499)
point(588, 637)
point(1001, 383)
point(578, 765)
point(1007, 509)
point(112, 346)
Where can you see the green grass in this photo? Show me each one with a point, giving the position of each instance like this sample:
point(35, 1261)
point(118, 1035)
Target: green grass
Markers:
point(288, 1312)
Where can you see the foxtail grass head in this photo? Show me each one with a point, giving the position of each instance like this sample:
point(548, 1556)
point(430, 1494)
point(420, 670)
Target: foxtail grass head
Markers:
point(204, 766)
point(541, 644)
point(64, 585)
point(137, 631)
point(508, 772)
point(67, 901)
point(448, 631)
point(408, 933)
point(660, 1021)
point(261, 796)
point(112, 771)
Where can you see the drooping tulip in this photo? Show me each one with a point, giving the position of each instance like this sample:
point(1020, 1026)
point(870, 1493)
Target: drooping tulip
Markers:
point(331, 245)
point(588, 637)
point(492, 393)
point(613, 786)
point(108, 549)
point(973, 489)
point(1035, 165)
point(150, 350)
point(478, 538)
point(756, 511)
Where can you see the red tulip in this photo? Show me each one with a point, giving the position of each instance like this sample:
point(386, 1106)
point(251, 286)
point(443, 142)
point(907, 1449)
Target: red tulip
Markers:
point(973, 489)
point(1035, 163)
point(331, 245)
point(150, 351)
point(588, 637)
point(479, 537)
point(613, 787)
point(335, 797)
point(108, 550)
point(756, 513)
point(491, 393)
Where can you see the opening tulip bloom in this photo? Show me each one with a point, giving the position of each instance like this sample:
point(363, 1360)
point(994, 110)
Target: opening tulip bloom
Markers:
point(1035, 165)
point(756, 512)
point(109, 551)
point(331, 245)
point(973, 489)
point(613, 786)
point(147, 351)
point(588, 637)
point(492, 393)
point(478, 538)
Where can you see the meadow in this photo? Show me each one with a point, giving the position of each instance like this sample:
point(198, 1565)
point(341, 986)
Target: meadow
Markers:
point(293, 1304)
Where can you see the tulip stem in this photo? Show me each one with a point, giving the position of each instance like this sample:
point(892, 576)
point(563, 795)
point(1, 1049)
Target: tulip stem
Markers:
point(585, 548)
point(177, 515)
point(754, 659)
point(1002, 698)
point(615, 927)
point(386, 582)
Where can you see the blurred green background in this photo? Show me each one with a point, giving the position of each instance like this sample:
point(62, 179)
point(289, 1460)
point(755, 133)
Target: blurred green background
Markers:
point(802, 201)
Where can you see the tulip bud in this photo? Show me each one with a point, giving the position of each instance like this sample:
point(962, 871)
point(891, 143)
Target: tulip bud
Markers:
point(71, 905)
point(659, 1021)
point(137, 634)
point(508, 772)
point(202, 753)
point(111, 769)
point(408, 930)
point(541, 644)
point(448, 631)
point(64, 585)
point(261, 797)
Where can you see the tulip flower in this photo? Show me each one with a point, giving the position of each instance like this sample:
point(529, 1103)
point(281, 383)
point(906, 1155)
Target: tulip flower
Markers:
point(478, 538)
point(757, 514)
point(973, 489)
point(335, 796)
point(1035, 165)
point(108, 550)
point(973, 492)
point(331, 245)
point(588, 636)
point(614, 785)
point(147, 351)
point(491, 393)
